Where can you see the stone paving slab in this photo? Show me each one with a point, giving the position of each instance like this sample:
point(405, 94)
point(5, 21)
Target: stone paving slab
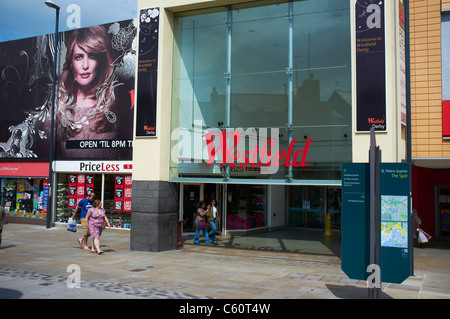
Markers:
point(34, 265)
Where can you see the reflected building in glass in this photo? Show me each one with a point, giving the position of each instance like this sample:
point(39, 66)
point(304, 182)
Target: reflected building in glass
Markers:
point(259, 80)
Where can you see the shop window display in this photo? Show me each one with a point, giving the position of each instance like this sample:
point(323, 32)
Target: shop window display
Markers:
point(246, 206)
point(117, 200)
point(25, 197)
point(116, 196)
point(71, 188)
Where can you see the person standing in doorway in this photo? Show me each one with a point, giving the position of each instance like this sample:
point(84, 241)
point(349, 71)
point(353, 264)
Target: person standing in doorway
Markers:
point(200, 223)
point(84, 205)
point(213, 219)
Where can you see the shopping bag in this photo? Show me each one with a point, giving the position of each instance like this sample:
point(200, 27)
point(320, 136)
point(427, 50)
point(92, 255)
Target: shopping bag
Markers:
point(72, 225)
point(423, 236)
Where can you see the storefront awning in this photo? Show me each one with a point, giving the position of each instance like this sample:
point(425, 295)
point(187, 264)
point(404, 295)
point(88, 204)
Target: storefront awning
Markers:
point(24, 169)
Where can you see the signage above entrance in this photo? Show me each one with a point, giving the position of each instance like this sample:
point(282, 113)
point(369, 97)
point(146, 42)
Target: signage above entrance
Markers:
point(24, 169)
point(94, 166)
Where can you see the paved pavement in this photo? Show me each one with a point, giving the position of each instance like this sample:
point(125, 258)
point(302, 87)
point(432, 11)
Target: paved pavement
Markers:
point(40, 263)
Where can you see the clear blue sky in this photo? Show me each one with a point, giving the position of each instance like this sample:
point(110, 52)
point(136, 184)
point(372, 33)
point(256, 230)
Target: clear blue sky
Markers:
point(28, 18)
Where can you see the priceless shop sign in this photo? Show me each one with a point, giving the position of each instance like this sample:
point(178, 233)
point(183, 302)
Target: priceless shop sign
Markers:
point(94, 166)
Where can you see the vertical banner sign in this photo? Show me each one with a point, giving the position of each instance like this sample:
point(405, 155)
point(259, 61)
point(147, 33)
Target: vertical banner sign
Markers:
point(81, 187)
point(370, 66)
point(402, 50)
point(446, 119)
point(36, 198)
point(147, 73)
point(46, 191)
point(89, 184)
point(127, 194)
point(118, 193)
point(72, 202)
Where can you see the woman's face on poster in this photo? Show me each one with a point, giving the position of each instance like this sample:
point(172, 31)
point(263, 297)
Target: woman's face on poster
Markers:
point(84, 66)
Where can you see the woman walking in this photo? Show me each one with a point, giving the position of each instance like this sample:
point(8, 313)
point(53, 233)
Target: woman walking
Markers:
point(97, 218)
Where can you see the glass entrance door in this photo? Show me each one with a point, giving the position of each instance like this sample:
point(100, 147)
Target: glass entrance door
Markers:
point(315, 207)
point(334, 206)
point(191, 199)
point(444, 210)
point(306, 206)
point(309, 205)
point(192, 194)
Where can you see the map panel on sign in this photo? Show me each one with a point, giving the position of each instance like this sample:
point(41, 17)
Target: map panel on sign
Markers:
point(394, 208)
point(394, 221)
point(394, 234)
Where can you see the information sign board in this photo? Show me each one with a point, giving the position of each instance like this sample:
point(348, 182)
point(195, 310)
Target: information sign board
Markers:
point(395, 220)
point(395, 238)
point(355, 220)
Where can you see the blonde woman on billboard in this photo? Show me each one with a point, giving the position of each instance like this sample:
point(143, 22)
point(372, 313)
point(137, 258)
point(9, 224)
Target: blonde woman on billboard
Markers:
point(86, 89)
point(94, 98)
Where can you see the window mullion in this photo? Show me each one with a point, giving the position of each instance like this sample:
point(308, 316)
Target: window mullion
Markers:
point(290, 73)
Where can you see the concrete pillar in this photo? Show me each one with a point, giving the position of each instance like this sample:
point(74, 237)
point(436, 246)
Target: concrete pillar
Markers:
point(155, 216)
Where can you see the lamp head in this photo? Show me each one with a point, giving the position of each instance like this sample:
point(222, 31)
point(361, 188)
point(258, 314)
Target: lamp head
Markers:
point(52, 4)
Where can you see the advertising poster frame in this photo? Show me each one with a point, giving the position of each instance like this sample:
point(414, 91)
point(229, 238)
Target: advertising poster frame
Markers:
point(97, 127)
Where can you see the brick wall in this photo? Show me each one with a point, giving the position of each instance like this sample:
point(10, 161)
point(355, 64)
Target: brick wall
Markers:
point(445, 4)
point(426, 83)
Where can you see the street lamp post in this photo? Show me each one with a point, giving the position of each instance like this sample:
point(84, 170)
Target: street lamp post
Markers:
point(53, 5)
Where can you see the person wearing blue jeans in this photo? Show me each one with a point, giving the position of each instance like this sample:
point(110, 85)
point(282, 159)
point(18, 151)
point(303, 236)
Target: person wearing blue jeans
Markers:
point(213, 218)
point(200, 224)
point(84, 205)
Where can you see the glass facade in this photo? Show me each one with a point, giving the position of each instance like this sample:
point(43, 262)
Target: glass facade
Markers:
point(280, 72)
point(272, 71)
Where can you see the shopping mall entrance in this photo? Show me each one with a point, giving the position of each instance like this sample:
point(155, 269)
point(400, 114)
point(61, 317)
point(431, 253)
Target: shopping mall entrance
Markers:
point(309, 206)
point(257, 207)
point(268, 217)
point(190, 197)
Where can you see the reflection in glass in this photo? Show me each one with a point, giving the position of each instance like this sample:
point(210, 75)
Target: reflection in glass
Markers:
point(251, 55)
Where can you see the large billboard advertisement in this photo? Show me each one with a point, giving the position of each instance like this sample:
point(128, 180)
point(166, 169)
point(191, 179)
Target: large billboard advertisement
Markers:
point(94, 101)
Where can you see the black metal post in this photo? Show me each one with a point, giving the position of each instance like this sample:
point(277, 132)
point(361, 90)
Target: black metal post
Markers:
point(50, 160)
point(408, 126)
point(375, 227)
